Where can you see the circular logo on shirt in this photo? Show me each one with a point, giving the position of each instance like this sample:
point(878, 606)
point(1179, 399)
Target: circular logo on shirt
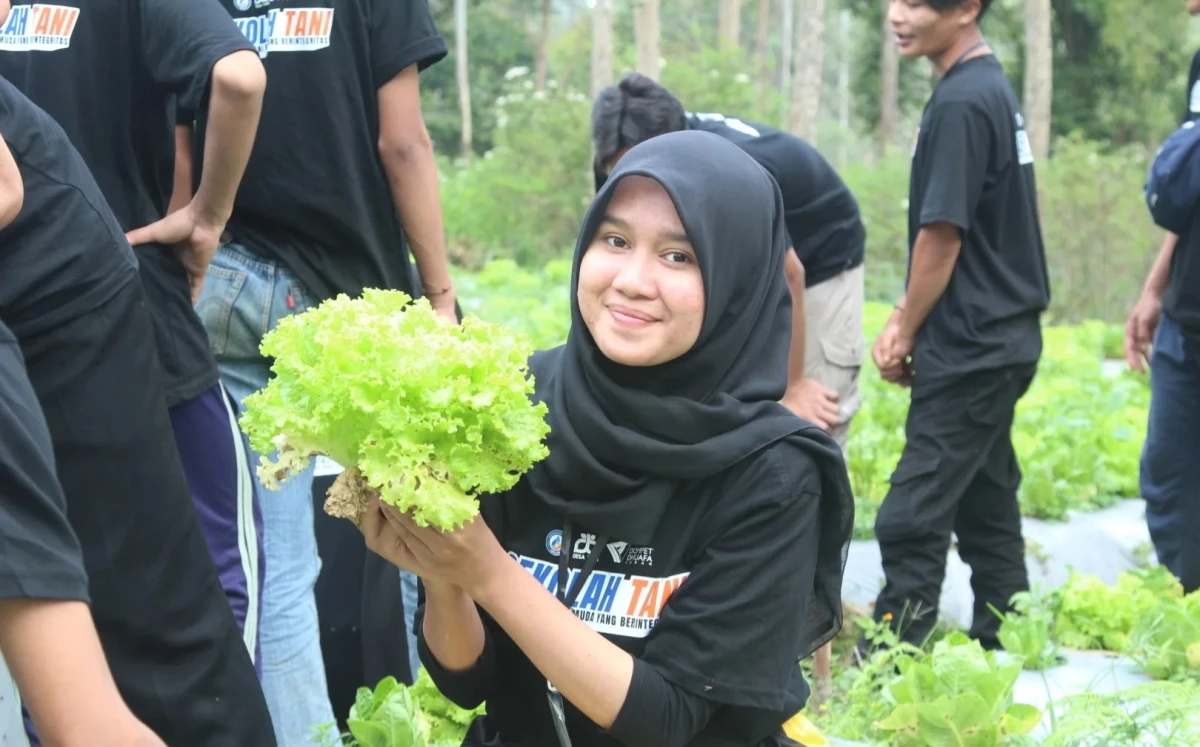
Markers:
point(554, 542)
point(241, 4)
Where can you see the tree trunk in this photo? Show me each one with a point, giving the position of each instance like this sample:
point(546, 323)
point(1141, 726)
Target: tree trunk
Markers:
point(889, 85)
point(462, 75)
point(845, 59)
point(646, 35)
point(810, 69)
point(785, 67)
point(762, 39)
point(542, 53)
point(1039, 75)
point(729, 24)
point(602, 46)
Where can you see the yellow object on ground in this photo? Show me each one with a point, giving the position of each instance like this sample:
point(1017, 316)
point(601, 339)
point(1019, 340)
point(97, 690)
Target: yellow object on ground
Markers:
point(802, 730)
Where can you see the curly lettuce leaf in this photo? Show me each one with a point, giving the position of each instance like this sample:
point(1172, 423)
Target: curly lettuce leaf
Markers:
point(433, 414)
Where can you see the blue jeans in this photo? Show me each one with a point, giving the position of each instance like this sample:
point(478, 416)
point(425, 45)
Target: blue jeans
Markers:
point(1170, 466)
point(408, 591)
point(244, 297)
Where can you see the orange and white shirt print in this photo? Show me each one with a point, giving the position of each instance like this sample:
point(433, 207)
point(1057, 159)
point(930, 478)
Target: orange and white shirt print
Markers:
point(288, 29)
point(38, 28)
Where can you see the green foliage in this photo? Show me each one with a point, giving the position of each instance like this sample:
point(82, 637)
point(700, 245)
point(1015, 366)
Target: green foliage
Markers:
point(1119, 68)
point(1093, 615)
point(1156, 714)
point(958, 695)
point(393, 715)
point(523, 199)
point(386, 717)
point(1025, 632)
point(1166, 640)
point(446, 723)
point(496, 43)
point(430, 412)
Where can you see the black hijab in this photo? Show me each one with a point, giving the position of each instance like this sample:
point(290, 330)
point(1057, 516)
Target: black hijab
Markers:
point(622, 439)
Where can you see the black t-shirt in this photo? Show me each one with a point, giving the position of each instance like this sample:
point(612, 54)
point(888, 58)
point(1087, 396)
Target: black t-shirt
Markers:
point(64, 255)
point(823, 219)
point(1182, 298)
point(108, 71)
point(729, 573)
point(972, 167)
point(40, 556)
point(315, 195)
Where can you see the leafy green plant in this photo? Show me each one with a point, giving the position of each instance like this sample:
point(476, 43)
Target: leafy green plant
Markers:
point(427, 413)
point(1166, 640)
point(1026, 631)
point(1092, 615)
point(447, 723)
point(959, 696)
point(386, 717)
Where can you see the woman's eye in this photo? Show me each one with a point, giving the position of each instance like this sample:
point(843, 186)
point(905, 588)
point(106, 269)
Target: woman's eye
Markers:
point(616, 241)
point(678, 257)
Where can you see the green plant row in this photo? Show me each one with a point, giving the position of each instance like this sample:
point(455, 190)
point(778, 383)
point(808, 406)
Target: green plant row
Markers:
point(1145, 616)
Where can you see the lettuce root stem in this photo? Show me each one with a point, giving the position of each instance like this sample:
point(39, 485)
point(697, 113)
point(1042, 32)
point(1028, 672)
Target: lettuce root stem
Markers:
point(349, 496)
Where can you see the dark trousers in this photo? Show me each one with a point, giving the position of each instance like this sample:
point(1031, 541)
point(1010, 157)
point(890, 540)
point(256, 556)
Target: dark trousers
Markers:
point(1170, 467)
point(166, 627)
point(957, 474)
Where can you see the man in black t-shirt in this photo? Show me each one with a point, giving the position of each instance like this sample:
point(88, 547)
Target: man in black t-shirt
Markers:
point(47, 635)
point(824, 267)
point(966, 336)
point(341, 183)
point(70, 294)
point(1168, 314)
point(109, 74)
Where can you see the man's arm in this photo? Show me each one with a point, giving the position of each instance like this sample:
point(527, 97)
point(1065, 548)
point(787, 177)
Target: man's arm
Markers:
point(934, 254)
point(238, 84)
point(406, 151)
point(12, 187)
point(235, 104)
point(806, 397)
point(1143, 321)
point(54, 654)
point(793, 271)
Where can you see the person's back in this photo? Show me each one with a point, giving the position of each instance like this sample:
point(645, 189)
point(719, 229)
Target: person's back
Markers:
point(47, 636)
point(70, 292)
point(316, 194)
point(109, 72)
point(823, 217)
point(64, 255)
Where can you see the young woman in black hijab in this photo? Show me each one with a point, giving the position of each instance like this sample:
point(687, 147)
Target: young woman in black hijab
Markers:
point(696, 528)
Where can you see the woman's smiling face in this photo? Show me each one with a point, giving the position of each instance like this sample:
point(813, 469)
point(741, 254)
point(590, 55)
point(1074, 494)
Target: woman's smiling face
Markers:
point(640, 289)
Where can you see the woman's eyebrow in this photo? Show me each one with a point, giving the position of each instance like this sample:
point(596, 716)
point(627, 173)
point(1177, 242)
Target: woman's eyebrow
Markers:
point(677, 237)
